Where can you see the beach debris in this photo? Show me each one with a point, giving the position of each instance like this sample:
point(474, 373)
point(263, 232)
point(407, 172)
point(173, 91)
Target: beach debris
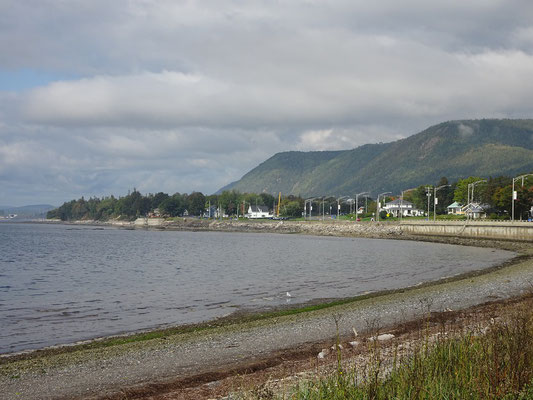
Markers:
point(354, 332)
point(323, 353)
point(339, 346)
point(288, 294)
point(448, 309)
point(382, 338)
point(354, 343)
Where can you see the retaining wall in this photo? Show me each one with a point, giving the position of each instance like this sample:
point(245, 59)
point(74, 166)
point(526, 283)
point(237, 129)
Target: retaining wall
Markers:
point(517, 230)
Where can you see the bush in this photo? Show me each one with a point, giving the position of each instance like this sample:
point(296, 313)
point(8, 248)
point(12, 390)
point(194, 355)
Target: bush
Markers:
point(496, 365)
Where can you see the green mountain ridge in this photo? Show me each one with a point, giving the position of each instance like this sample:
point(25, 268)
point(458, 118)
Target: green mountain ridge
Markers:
point(455, 149)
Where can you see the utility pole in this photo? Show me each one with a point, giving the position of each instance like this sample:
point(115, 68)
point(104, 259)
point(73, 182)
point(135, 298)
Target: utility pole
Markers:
point(401, 201)
point(435, 201)
point(514, 194)
point(428, 194)
point(378, 205)
point(473, 184)
point(357, 202)
point(339, 205)
point(310, 201)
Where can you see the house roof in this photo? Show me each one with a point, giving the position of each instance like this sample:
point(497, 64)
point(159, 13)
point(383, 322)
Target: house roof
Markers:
point(259, 208)
point(455, 204)
point(475, 207)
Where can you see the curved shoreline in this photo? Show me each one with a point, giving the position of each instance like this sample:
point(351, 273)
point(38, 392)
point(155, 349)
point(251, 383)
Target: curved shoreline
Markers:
point(241, 317)
point(262, 313)
point(95, 369)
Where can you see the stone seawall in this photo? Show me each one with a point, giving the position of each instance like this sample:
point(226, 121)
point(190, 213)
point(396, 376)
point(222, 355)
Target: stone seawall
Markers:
point(505, 230)
point(320, 228)
point(495, 230)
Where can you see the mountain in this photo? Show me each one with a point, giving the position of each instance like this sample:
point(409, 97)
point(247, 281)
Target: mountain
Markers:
point(454, 149)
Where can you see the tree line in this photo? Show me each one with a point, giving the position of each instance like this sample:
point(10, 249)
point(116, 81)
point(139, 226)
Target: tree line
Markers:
point(494, 194)
point(135, 205)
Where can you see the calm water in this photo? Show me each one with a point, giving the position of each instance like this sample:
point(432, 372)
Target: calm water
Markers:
point(60, 284)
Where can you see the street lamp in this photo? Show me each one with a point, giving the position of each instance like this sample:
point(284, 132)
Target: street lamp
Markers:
point(357, 202)
point(514, 196)
point(473, 185)
point(428, 194)
point(339, 205)
point(378, 206)
point(401, 201)
point(435, 201)
point(310, 207)
point(352, 204)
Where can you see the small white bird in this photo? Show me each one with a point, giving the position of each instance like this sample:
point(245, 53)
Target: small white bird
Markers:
point(288, 294)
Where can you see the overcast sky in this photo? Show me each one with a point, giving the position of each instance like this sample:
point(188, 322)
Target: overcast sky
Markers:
point(98, 97)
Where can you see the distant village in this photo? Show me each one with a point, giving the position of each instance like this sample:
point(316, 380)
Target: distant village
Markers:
point(470, 198)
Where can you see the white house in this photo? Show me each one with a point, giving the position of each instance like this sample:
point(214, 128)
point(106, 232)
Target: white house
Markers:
point(403, 207)
point(455, 208)
point(258, 212)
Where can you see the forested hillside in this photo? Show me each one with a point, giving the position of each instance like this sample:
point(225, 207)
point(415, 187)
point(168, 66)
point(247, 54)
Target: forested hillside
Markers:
point(453, 149)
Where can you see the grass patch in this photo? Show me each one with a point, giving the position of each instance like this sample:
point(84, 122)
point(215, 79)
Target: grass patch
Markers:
point(493, 363)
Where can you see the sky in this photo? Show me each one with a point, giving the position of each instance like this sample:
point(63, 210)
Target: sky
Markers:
point(100, 97)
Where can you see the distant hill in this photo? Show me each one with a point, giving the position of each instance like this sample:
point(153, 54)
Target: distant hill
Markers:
point(31, 211)
point(454, 149)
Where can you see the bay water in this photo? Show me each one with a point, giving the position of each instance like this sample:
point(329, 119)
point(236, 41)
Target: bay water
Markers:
point(64, 283)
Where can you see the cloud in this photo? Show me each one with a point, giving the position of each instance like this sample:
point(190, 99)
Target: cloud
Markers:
point(465, 130)
point(181, 96)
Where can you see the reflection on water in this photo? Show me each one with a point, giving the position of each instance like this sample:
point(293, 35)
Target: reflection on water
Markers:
point(60, 284)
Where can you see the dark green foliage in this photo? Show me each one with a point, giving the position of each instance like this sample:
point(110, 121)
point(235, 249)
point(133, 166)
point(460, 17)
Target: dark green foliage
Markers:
point(292, 209)
point(196, 203)
point(173, 206)
point(158, 199)
point(135, 205)
point(454, 149)
point(128, 207)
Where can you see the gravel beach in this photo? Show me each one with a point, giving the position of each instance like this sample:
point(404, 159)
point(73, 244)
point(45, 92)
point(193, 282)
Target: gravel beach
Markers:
point(116, 371)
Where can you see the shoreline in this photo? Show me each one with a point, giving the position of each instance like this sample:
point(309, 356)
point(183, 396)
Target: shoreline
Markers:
point(261, 313)
point(250, 315)
point(343, 228)
point(97, 368)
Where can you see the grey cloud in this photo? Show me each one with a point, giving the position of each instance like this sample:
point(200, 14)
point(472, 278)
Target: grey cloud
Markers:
point(181, 96)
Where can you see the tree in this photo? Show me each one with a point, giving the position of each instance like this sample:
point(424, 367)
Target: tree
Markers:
point(267, 200)
point(196, 203)
point(229, 201)
point(524, 201)
point(494, 184)
point(418, 197)
point(444, 195)
point(291, 209)
point(461, 190)
point(172, 206)
point(105, 208)
point(501, 199)
point(157, 199)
